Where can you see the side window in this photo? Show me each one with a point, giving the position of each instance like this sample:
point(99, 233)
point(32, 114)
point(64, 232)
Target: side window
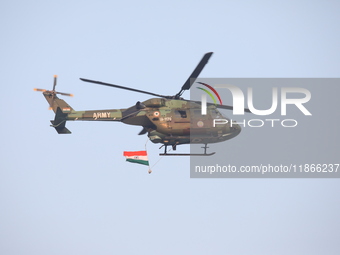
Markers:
point(215, 113)
point(180, 114)
point(197, 112)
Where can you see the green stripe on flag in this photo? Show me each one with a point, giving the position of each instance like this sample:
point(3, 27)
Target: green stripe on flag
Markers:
point(138, 161)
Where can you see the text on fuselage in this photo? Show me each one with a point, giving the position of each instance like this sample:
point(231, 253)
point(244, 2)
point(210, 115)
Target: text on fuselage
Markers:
point(101, 115)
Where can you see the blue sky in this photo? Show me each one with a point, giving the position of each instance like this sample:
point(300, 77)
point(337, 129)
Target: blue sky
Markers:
point(76, 194)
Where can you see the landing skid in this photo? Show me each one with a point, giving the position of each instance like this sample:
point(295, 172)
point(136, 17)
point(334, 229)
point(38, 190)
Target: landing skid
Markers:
point(185, 154)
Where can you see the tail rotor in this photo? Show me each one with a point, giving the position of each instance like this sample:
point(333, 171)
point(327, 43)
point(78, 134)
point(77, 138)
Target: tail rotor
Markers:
point(52, 93)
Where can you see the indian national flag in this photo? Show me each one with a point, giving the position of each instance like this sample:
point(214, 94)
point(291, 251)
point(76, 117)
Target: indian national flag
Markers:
point(139, 157)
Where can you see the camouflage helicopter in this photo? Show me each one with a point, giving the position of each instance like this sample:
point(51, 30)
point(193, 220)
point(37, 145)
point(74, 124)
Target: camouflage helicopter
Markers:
point(169, 120)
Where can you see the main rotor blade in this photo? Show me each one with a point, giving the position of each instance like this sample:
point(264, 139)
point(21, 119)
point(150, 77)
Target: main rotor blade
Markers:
point(227, 107)
point(192, 78)
point(121, 87)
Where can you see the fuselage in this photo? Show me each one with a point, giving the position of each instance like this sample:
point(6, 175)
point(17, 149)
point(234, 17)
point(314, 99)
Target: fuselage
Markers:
point(176, 121)
point(166, 121)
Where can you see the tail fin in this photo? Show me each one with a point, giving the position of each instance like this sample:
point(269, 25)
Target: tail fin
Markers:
point(59, 122)
point(56, 103)
point(59, 106)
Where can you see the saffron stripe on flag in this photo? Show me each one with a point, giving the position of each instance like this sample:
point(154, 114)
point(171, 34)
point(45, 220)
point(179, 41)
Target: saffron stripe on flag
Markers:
point(134, 153)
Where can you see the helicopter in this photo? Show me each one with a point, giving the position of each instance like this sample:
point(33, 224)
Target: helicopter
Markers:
point(168, 120)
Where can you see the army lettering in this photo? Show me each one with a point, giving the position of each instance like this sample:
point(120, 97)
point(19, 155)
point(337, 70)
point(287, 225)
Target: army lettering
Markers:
point(101, 115)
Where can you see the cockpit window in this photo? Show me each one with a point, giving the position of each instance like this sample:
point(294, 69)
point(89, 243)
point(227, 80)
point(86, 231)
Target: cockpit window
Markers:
point(214, 113)
point(180, 114)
